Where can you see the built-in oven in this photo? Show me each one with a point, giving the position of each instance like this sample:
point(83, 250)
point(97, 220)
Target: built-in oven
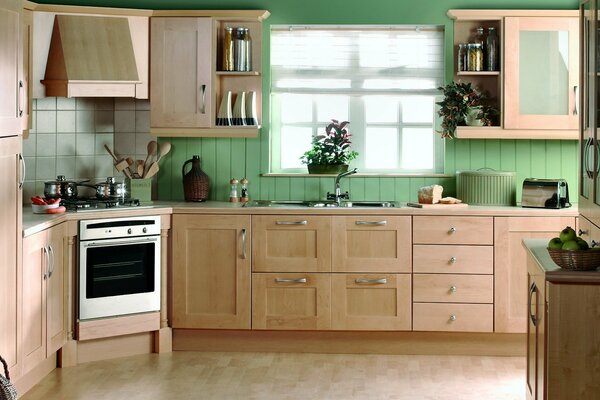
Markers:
point(119, 266)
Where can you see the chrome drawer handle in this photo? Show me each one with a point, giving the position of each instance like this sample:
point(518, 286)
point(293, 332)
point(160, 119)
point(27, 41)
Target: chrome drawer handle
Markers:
point(47, 257)
point(452, 289)
point(378, 281)
point(379, 223)
point(203, 99)
point(283, 280)
point(581, 232)
point(452, 317)
point(452, 230)
point(291, 222)
point(452, 260)
point(52, 261)
point(243, 243)
point(594, 243)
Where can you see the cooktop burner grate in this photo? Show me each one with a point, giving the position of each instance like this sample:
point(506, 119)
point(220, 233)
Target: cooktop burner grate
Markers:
point(92, 203)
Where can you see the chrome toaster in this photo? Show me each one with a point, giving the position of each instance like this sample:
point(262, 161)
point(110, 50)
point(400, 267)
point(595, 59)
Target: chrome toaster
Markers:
point(545, 193)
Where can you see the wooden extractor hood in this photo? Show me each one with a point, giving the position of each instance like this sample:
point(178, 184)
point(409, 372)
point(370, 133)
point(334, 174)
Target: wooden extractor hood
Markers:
point(91, 56)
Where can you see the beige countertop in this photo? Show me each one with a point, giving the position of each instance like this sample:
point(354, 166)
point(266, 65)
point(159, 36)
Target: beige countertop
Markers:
point(33, 223)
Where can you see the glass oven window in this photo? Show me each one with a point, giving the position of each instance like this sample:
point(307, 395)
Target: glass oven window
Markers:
point(120, 270)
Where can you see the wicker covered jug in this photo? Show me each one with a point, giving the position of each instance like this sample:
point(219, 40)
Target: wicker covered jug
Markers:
point(7, 390)
point(195, 182)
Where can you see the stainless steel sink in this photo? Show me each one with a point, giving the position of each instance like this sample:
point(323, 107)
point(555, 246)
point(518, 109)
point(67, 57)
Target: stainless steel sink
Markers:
point(320, 204)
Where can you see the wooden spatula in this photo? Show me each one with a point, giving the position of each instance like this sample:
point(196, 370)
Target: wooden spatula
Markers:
point(152, 170)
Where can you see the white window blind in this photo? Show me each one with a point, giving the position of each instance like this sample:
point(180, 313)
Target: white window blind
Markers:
point(383, 79)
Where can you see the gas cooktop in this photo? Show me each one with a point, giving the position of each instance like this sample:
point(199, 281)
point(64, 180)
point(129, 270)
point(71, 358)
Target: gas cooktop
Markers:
point(94, 204)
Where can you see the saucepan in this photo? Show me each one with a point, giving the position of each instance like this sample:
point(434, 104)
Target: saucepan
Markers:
point(61, 187)
point(109, 189)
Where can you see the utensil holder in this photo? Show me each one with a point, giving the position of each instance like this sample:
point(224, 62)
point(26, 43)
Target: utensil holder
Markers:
point(140, 189)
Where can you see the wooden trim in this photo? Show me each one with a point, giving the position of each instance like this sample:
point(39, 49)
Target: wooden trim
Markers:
point(233, 132)
point(88, 10)
point(115, 347)
point(438, 343)
point(109, 327)
point(230, 15)
point(494, 132)
point(499, 14)
point(65, 88)
point(33, 377)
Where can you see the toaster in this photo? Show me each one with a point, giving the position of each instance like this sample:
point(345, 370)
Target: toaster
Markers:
point(545, 193)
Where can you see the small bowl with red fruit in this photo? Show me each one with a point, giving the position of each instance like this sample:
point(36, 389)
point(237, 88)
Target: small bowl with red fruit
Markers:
point(40, 205)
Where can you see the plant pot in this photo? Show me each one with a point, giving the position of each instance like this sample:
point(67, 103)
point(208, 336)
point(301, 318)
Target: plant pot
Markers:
point(332, 169)
point(471, 117)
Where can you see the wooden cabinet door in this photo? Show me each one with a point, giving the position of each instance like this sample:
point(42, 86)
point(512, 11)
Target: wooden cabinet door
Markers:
point(211, 271)
point(510, 291)
point(10, 16)
point(291, 243)
point(26, 70)
point(56, 308)
point(291, 301)
point(371, 244)
point(541, 73)
point(371, 302)
point(181, 65)
point(10, 250)
point(35, 273)
point(536, 315)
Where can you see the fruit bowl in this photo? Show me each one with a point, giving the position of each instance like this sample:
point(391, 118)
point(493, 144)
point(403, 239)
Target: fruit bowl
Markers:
point(41, 209)
point(576, 260)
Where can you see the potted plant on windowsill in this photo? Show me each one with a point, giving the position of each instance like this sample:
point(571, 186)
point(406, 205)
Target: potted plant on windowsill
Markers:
point(464, 104)
point(330, 152)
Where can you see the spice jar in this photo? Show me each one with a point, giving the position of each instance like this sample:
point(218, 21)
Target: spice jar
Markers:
point(248, 50)
point(228, 49)
point(244, 196)
point(239, 49)
point(233, 192)
point(462, 57)
point(491, 50)
point(475, 52)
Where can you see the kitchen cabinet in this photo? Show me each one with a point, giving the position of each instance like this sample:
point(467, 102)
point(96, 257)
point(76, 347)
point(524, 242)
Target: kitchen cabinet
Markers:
point(11, 84)
point(26, 69)
point(188, 79)
point(510, 292)
point(10, 252)
point(44, 295)
point(453, 281)
point(537, 85)
point(211, 271)
point(291, 243)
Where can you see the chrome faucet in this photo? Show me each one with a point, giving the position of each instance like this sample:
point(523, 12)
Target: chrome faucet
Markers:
point(338, 196)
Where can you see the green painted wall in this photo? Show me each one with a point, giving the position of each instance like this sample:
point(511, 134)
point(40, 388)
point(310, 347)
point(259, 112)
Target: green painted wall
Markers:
point(223, 159)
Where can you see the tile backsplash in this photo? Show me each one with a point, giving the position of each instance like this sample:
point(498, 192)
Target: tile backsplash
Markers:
point(68, 135)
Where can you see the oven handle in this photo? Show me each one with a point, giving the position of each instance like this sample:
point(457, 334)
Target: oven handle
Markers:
point(122, 243)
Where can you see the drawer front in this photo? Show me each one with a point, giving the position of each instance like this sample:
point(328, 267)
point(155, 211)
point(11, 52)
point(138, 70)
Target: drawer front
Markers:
point(453, 288)
point(371, 302)
point(459, 259)
point(453, 317)
point(453, 230)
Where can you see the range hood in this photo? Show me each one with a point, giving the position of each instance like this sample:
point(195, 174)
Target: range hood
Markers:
point(91, 56)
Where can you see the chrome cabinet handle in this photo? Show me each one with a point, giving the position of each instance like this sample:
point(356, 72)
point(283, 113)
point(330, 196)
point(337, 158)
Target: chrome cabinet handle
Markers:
point(244, 243)
point(532, 317)
point(581, 232)
point(47, 256)
point(52, 261)
point(452, 230)
point(593, 243)
point(304, 222)
point(575, 100)
point(452, 317)
point(284, 280)
point(453, 289)
point(452, 260)
point(21, 97)
point(203, 99)
point(587, 158)
point(379, 223)
point(23, 171)
point(377, 281)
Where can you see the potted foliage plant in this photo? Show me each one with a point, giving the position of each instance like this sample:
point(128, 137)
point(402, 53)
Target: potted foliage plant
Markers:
point(330, 152)
point(463, 104)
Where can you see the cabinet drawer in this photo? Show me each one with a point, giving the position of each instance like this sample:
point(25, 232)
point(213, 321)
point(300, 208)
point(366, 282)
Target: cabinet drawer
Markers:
point(371, 302)
point(291, 243)
point(453, 317)
point(451, 288)
point(291, 301)
point(444, 259)
point(453, 230)
point(371, 244)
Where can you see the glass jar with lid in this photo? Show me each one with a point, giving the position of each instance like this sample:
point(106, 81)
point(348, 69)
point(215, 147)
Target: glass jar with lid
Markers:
point(475, 57)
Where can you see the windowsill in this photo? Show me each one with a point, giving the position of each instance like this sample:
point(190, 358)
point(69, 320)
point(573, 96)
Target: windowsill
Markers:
point(358, 175)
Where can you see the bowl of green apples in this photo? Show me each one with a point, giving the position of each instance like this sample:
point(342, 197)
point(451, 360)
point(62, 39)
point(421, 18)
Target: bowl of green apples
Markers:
point(571, 252)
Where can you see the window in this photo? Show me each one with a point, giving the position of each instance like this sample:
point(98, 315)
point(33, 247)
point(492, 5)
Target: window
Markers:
point(382, 79)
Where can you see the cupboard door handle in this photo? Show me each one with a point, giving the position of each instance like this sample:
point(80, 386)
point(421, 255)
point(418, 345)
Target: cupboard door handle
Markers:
point(378, 223)
point(532, 290)
point(304, 222)
point(575, 100)
point(593, 243)
point(23, 171)
point(47, 256)
point(202, 99)
point(52, 260)
point(21, 97)
point(378, 281)
point(581, 232)
point(244, 244)
point(284, 280)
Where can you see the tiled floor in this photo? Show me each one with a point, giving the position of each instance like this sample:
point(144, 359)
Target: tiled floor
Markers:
point(194, 375)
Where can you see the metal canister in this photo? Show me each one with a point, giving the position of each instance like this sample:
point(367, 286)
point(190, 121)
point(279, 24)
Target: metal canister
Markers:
point(475, 52)
point(228, 49)
point(239, 50)
point(248, 47)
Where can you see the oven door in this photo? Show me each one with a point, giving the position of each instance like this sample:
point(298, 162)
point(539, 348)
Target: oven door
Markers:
point(119, 276)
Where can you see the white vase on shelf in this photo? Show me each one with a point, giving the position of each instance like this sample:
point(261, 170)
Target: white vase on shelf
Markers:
point(224, 117)
point(251, 115)
point(239, 109)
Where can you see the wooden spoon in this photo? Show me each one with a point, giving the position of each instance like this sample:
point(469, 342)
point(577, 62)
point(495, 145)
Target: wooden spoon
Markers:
point(163, 150)
point(139, 166)
point(152, 170)
point(152, 145)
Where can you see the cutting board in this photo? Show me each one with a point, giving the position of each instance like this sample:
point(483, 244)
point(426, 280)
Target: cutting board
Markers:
point(442, 206)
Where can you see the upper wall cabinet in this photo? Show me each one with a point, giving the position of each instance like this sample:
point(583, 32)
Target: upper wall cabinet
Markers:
point(206, 73)
point(11, 85)
point(536, 83)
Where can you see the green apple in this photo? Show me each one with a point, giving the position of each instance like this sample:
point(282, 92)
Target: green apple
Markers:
point(567, 234)
point(583, 245)
point(570, 245)
point(555, 244)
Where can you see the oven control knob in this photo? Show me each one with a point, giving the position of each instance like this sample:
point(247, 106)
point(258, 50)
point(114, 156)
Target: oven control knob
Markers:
point(145, 230)
point(129, 231)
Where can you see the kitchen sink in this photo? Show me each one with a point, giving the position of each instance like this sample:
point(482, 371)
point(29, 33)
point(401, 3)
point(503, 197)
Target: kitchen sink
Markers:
point(320, 204)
